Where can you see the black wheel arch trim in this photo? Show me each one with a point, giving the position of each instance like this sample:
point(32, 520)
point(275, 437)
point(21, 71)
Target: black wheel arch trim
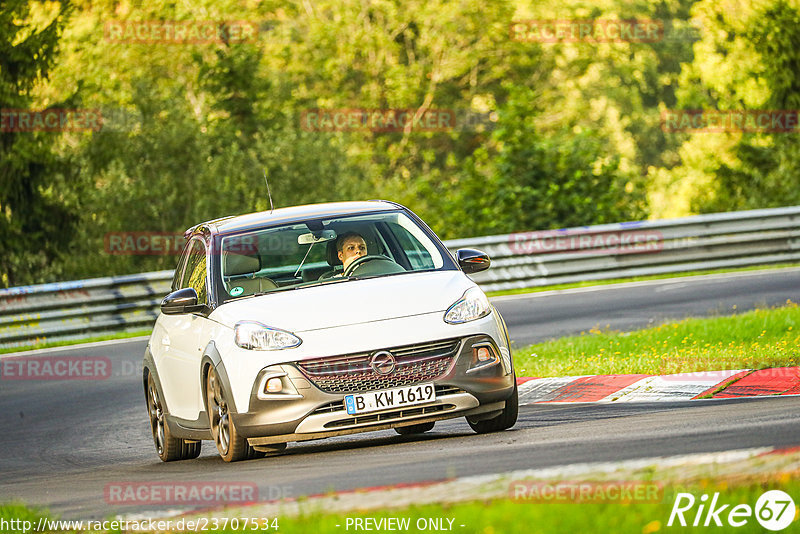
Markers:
point(504, 328)
point(180, 428)
point(211, 358)
point(148, 368)
point(193, 430)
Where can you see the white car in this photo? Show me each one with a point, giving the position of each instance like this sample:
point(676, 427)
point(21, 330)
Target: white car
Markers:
point(322, 320)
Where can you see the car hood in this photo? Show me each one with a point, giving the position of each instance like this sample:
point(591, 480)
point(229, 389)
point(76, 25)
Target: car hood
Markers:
point(349, 302)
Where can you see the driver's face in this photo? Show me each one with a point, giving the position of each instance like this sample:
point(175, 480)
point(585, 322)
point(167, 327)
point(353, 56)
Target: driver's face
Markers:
point(353, 248)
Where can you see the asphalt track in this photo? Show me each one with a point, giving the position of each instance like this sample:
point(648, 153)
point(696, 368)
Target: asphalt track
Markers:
point(63, 442)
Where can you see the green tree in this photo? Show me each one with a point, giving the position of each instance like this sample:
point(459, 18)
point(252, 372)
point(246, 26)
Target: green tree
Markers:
point(35, 224)
point(748, 59)
point(767, 173)
point(570, 131)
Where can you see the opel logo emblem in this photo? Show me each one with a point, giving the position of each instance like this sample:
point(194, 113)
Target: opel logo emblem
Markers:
point(382, 362)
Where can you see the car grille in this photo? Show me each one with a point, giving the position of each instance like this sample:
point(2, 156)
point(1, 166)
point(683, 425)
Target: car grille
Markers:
point(353, 374)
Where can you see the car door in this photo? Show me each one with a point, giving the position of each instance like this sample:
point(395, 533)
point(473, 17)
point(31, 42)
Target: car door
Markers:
point(183, 338)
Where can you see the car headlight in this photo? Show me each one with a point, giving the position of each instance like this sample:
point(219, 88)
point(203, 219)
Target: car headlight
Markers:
point(256, 336)
point(473, 305)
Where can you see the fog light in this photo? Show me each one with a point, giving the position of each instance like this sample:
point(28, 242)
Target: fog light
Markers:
point(484, 358)
point(274, 385)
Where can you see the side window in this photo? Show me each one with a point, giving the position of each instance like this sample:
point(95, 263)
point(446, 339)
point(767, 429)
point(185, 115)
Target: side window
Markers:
point(178, 276)
point(195, 273)
point(418, 256)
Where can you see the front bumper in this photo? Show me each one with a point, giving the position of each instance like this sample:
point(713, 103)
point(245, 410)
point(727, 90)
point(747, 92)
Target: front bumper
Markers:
point(306, 411)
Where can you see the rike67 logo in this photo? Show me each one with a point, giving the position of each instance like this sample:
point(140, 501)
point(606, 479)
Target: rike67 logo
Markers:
point(774, 510)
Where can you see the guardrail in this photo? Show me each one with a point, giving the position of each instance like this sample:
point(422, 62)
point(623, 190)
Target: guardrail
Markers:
point(73, 310)
point(714, 241)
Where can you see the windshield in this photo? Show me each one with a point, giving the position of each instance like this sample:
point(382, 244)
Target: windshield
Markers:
point(324, 251)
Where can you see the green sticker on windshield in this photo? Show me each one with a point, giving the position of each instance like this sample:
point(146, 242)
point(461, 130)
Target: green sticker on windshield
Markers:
point(236, 291)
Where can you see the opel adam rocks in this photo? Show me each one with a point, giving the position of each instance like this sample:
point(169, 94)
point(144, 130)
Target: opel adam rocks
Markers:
point(315, 321)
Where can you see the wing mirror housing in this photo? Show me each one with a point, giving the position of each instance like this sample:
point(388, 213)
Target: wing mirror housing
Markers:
point(181, 301)
point(472, 261)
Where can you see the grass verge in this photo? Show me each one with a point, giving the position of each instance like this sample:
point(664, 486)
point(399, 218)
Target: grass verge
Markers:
point(525, 515)
point(19, 513)
point(556, 287)
point(758, 339)
point(512, 516)
point(68, 342)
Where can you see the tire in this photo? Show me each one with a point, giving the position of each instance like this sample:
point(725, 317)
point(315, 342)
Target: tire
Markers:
point(231, 446)
point(414, 429)
point(168, 447)
point(504, 421)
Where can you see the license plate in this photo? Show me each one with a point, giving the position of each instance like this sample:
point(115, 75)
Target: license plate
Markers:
point(375, 401)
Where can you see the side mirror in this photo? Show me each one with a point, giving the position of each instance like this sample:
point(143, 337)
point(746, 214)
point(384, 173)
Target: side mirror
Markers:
point(181, 301)
point(472, 261)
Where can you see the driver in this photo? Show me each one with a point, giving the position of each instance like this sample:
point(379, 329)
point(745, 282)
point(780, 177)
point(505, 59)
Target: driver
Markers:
point(350, 247)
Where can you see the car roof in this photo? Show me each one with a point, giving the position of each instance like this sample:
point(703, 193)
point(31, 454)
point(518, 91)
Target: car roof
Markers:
point(290, 215)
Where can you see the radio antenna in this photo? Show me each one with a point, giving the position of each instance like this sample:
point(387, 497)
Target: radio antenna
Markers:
point(269, 193)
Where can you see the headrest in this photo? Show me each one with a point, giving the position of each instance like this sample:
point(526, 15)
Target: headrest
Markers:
point(332, 255)
point(236, 264)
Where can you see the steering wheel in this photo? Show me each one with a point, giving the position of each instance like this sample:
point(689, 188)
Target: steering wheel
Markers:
point(364, 259)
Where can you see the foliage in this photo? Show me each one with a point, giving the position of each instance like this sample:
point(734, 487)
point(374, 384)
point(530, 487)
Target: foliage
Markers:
point(564, 134)
point(748, 59)
point(34, 221)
